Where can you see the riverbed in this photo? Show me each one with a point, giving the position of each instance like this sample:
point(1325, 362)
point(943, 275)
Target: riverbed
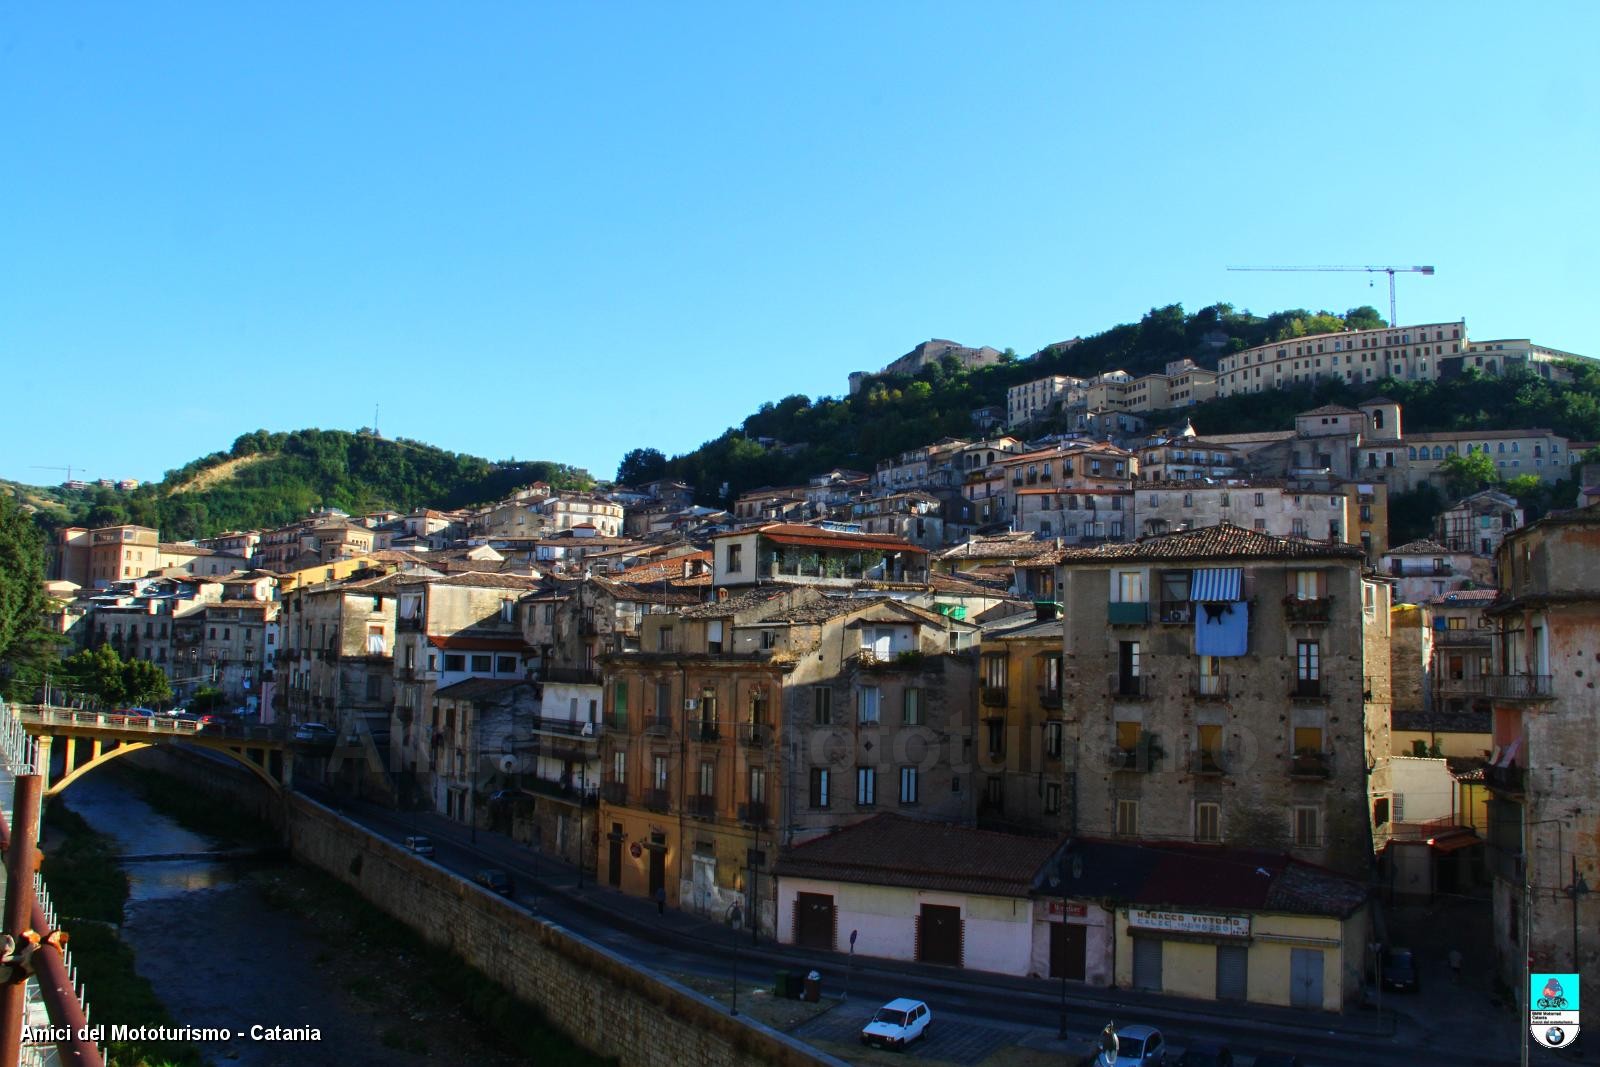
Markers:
point(221, 949)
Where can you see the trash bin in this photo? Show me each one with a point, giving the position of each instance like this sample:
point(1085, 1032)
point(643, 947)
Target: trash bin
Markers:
point(812, 991)
point(781, 986)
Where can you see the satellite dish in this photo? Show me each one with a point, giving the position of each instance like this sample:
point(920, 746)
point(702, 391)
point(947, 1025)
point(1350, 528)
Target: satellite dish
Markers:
point(508, 764)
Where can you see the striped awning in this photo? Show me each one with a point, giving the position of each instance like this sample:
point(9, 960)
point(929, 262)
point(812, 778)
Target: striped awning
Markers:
point(1214, 584)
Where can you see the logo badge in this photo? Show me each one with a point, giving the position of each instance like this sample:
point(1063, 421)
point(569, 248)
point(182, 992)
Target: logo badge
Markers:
point(1553, 1009)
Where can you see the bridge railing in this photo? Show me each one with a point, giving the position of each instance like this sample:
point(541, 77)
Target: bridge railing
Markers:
point(165, 725)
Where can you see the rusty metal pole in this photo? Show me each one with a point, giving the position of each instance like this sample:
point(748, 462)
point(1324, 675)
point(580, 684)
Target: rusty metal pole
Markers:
point(21, 859)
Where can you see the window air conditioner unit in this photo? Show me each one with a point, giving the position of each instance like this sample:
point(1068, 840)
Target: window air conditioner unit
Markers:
point(690, 704)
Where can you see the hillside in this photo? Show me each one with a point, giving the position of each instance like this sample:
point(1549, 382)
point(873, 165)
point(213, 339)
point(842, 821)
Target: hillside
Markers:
point(267, 479)
point(891, 414)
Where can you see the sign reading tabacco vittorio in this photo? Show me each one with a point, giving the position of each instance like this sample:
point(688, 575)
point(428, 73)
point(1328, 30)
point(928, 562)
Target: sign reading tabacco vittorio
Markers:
point(1189, 922)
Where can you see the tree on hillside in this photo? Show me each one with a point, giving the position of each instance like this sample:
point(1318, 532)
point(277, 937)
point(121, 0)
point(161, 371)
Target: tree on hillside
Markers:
point(25, 646)
point(1365, 317)
point(1465, 474)
point(641, 465)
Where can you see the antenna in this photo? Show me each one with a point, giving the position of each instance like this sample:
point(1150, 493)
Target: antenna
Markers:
point(375, 432)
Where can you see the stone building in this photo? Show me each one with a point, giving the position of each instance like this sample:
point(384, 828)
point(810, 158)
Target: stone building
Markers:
point(1022, 745)
point(751, 723)
point(1544, 811)
point(1217, 682)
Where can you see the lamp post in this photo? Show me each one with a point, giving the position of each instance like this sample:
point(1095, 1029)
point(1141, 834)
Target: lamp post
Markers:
point(734, 915)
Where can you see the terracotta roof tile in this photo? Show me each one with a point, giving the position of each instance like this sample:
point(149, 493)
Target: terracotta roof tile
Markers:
point(1224, 541)
point(891, 849)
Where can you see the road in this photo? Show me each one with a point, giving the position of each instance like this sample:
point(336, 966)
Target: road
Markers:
point(974, 1015)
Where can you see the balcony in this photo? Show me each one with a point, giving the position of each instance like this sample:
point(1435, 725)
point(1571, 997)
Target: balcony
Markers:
point(1127, 612)
point(1175, 613)
point(1208, 686)
point(703, 806)
point(658, 726)
point(409, 624)
point(614, 792)
point(753, 813)
point(1207, 764)
point(588, 731)
point(657, 800)
point(1307, 689)
point(705, 730)
point(1311, 765)
point(1049, 698)
point(1447, 638)
point(1307, 610)
point(1129, 687)
point(1141, 759)
point(1506, 779)
point(992, 696)
point(573, 675)
point(755, 734)
point(1517, 686)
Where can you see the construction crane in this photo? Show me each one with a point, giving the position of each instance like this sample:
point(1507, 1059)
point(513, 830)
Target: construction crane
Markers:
point(69, 468)
point(1390, 271)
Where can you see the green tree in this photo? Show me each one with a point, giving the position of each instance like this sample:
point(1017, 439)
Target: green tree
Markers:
point(1365, 317)
point(1468, 473)
point(25, 646)
point(641, 465)
point(101, 674)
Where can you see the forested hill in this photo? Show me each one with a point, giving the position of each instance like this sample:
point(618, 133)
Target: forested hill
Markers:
point(784, 442)
point(267, 479)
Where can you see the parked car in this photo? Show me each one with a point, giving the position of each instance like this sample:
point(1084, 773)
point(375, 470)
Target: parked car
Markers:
point(1277, 1059)
point(1137, 1046)
point(313, 731)
point(897, 1024)
point(1206, 1054)
point(422, 846)
point(137, 713)
point(496, 880)
point(208, 721)
point(1400, 971)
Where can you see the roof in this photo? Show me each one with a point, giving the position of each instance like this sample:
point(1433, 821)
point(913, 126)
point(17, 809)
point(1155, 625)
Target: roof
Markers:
point(719, 609)
point(488, 580)
point(1265, 437)
point(477, 688)
point(1223, 541)
point(1422, 547)
point(1329, 409)
point(1465, 598)
point(894, 850)
point(787, 533)
point(1182, 875)
point(1018, 546)
point(816, 612)
point(470, 643)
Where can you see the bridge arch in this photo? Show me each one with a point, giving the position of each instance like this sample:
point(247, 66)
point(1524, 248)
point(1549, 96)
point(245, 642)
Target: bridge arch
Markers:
point(106, 756)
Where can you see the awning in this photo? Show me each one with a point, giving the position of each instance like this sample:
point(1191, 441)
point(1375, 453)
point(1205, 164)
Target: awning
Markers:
point(1213, 584)
point(1454, 842)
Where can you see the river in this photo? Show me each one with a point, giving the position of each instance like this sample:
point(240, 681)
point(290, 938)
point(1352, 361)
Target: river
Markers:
point(219, 954)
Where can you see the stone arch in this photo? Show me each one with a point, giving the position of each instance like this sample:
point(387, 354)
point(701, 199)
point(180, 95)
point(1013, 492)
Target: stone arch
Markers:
point(134, 746)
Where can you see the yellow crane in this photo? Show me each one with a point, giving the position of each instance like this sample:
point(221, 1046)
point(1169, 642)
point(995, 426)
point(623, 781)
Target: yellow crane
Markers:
point(1390, 271)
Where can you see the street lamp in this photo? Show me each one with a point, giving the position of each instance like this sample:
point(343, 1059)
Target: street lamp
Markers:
point(734, 915)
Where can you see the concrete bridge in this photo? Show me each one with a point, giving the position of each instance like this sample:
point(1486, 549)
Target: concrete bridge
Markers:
point(87, 739)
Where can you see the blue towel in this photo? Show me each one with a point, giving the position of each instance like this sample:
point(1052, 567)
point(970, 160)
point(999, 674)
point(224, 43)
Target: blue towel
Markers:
point(1222, 629)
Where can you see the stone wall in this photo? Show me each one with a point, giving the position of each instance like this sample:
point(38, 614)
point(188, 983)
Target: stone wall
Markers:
point(587, 991)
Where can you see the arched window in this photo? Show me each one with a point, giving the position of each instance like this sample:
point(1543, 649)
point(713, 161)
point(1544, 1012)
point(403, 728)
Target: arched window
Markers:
point(1438, 453)
point(1413, 452)
point(1377, 418)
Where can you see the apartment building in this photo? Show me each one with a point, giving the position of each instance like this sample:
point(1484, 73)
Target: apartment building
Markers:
point(912, 515)
point(1478, 523)
point(1422, 570)
point(1352, 512)
point(767, 717)
point(1037, 399)
point(1024, 750)
point(1543, 853)
point(824, 554)
point(93, 559)
point(1219, 680)
point(1355, 356)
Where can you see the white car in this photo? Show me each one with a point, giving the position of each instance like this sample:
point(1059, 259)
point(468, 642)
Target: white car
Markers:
point(897, 1024)
point(313, 731)
point(1137, 1046)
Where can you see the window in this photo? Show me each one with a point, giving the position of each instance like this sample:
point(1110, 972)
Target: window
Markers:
point(758, 785)
point(1127, 735)
point(1053, 736)
point(822, 705)
point(867, 704)
point(908, 786)
point(508, 610)
point(994, 672)
point(996, 729)
point(663, 701)
point(1052, 798)
point(1307, 827)
point(708, 778)
point(1208, 822)
point(658, 773)
point(1308, 661)
point(619, 704)
point(1210, 747)
point(758, 705)
point(454, 661)
point(1127, 818)
point(866, 786)
point(819, 787)
point(374, 688)
point(735, 558)
point(505, 665)
point(913, 707)
point(1130, 587)
point(1261, 500)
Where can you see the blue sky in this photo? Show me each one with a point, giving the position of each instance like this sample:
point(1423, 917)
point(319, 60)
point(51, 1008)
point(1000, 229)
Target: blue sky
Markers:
point(561, 232)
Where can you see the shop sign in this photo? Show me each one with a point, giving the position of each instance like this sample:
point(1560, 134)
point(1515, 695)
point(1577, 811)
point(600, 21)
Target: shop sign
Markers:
point(1190, 922)
point(1069, 907)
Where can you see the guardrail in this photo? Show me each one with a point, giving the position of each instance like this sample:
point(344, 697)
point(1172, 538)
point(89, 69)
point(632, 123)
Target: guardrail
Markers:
point(165, 725)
